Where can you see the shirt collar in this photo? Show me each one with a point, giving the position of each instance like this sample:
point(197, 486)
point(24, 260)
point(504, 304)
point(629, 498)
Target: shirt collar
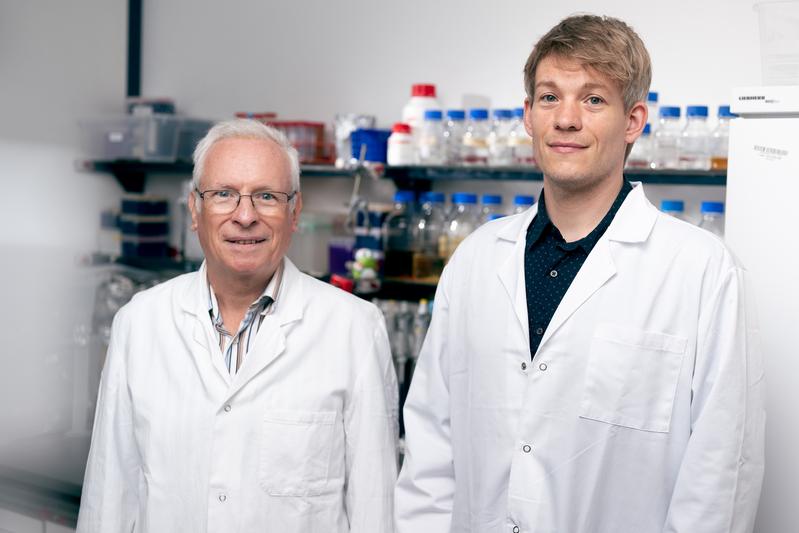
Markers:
point(542, 224)
point(266, 301)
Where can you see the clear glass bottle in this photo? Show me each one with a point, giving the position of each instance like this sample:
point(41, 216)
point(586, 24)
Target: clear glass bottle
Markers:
point(720, 139)
point(675, 208)
point(641, 154)
point(398, 236)
point(475, 139)
point(428, 226)
point(463, 220)
point(713, 217)
point(454, 129)
point(492, 204)
point(499, 153)
point(667, 136)
point(652, 107)
point(694, 143)
point(430, 141)
point(522, 203)
point(520, 143)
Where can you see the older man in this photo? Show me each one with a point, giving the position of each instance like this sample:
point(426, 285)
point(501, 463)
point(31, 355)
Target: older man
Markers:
point(592, 365)
point(245, 396)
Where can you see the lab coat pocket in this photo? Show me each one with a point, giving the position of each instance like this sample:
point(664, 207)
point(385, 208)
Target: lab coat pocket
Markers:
point(631, 378)
point(295, 452)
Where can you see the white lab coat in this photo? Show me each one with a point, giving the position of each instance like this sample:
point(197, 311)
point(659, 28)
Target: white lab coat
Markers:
point(302, 439)
point(641, 412)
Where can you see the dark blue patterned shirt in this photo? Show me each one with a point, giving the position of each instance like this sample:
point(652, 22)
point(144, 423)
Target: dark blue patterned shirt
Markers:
point(551, 264)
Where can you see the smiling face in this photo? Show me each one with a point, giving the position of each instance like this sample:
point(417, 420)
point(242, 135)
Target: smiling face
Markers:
point(245, 244)
point(578, 123)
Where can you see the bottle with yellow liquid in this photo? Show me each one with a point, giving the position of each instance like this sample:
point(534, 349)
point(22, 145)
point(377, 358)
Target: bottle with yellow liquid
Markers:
point(720, 139)
point(463, 220)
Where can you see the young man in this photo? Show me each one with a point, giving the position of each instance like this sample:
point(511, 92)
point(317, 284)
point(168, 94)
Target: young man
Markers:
point(246, 396)
point(592, 364)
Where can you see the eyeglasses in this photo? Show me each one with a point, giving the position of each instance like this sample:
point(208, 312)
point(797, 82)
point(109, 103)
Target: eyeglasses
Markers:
point(225, 201)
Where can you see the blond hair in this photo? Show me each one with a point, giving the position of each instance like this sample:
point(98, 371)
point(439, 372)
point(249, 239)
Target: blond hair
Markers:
point(605, 44)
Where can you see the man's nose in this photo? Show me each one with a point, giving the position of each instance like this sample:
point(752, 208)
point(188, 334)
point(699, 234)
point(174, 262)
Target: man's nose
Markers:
point(245, 212)
point(567, 116)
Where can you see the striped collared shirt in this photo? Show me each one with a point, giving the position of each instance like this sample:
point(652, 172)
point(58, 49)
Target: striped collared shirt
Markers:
point(235, 347)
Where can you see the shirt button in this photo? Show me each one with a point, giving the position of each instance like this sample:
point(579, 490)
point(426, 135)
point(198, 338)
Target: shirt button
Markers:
point(223, 498)
point(553, 273)
point(228, 408)
point(524, 365)
point(542, 367)
point(539, 331)
point(527, 448)
point(515, 529)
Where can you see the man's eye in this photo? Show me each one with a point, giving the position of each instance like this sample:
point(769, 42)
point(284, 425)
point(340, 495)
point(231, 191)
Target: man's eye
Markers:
point(265, 196)
point(223, 194)
point(548, 98)
point(595, 100)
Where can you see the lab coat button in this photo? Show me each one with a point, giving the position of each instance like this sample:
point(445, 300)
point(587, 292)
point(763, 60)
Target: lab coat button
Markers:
point(524, 365)
point(553, 273)
point(539, 331)
point(542, 367)
point(527, 448)
point(223, 497)
point(515, 529)
point(227, 408)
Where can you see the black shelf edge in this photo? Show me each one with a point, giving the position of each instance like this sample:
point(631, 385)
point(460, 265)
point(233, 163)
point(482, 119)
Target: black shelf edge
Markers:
point(412, 174)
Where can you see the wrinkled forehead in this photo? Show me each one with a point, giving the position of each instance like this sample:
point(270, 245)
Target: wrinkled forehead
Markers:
point(246, 164)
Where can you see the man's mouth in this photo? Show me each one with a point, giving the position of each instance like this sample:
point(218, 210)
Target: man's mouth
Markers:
point(245, 241)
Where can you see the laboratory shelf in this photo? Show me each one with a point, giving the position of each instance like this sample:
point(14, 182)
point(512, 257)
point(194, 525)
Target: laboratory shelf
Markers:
point(419, 174)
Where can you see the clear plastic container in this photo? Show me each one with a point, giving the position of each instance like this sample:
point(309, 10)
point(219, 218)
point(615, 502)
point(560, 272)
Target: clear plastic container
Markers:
point(667, 136)
point(492, 205)
point(398, 236)
point(499, 152)
point(779, 42)
point(423, 97)
point(641, 155)
point(475, 140)
point(720, 139)
point(463, 220)
point(652, 107)
point(522, 203)
point(694, 143)
point(430, 139)
point(454, 129)
point(142, 138)
point(675, 208)
point(428, 226)
point(713, 217)
point(520, 143)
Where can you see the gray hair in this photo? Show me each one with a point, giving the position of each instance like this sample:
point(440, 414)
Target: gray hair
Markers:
point(242, 128)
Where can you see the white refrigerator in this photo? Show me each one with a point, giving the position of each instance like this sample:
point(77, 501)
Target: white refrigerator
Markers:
point(762, 229)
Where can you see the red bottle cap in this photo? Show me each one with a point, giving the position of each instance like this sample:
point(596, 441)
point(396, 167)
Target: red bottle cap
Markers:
point(401, 127)
point(423, 89)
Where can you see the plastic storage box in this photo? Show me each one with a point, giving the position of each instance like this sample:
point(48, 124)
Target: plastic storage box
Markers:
point(141, 138)
point(307, 137)
point(190, 132)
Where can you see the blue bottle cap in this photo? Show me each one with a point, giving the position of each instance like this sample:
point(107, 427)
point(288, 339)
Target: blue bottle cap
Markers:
point(494, 216)
point(669, 112)
point(492, 199)
point(521, 199)
point(647, 129)
point(456, 114)
point(404, 197)
point(672, 205)
point(432, 114)
point(712, 207)
point(433, 197)
point(518, 112)
point(503, 113)
point(478, 114)
point(724, 111)
point(464, 198)
point(652, 97)
point(696, 111)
